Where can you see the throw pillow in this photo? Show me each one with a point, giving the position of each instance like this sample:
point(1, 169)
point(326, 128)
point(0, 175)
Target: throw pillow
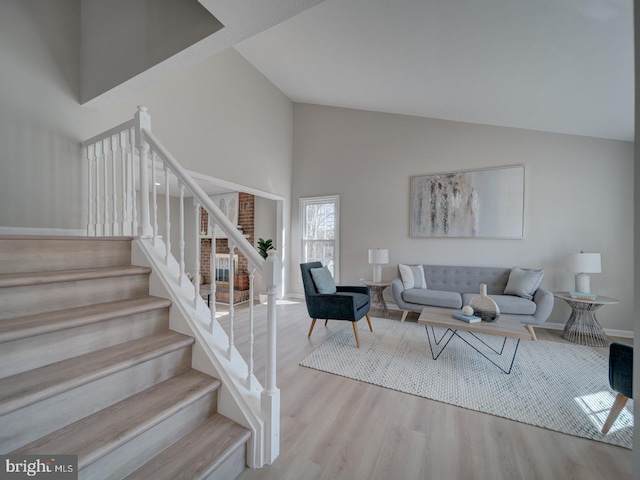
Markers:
point(523, 282)
point(412, 276)
point(323, 280)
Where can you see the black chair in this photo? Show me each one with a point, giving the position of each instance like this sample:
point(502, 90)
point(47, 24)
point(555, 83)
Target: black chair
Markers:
point(349, 303)
point(620, 379)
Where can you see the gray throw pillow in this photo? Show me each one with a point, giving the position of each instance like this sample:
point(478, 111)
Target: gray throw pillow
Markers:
point(523, 282)
point(323, 280)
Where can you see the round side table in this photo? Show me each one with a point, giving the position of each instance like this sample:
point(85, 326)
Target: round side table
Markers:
point(378, 288)
point(582, 326)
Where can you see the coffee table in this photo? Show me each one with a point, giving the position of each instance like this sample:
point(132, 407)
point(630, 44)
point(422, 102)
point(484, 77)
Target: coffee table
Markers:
point(506, 326)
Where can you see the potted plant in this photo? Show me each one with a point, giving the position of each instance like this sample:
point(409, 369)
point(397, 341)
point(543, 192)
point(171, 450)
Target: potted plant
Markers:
point(263, 248)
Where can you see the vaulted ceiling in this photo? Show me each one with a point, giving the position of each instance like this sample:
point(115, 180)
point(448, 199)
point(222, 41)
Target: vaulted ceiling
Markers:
point(558, 66)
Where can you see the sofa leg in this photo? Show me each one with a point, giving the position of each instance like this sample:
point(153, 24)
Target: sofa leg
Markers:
point(313, 324)
point(355, 331)
point(533, 334)
point(326, 321)
point(404, 315)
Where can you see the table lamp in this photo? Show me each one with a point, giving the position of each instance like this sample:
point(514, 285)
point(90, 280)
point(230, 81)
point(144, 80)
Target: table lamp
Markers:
point(377, 257)
point(583, 264)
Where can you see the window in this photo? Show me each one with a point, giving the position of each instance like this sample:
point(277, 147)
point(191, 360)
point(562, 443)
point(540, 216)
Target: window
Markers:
point(319, 221)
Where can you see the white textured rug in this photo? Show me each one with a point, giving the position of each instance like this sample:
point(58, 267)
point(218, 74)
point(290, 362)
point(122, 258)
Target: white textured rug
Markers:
point(562, 387)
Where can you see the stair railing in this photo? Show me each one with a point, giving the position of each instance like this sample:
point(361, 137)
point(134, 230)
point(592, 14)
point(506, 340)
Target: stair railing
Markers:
point(123, 204)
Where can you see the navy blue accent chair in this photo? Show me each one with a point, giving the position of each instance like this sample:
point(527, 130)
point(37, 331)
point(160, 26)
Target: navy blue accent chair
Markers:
point(620, 379)
point(349, 303)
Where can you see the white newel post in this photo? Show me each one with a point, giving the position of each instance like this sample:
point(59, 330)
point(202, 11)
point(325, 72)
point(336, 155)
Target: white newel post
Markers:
point(143, 120)
point(270, 398)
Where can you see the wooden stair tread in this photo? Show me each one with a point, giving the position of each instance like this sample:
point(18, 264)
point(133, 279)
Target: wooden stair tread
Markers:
point(29, 387)
point(103, 432)
point(197, 454)
point(57, 276)
point(47, 322)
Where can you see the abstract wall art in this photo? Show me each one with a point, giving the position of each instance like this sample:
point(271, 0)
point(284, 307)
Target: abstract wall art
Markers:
point(487, 203)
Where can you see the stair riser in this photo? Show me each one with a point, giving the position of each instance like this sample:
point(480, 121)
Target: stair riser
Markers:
point(132, 455)
point(232, 466)
point(27, 424)
point(32, 299)
point(21, 255)
point(28, 353)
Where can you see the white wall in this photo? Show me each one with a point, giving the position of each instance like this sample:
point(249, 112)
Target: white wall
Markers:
point(220, 117)
point(578, 196)
point(41, 122)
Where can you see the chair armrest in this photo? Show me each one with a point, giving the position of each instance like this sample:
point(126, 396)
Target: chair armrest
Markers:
point(544, 304)
point(621, 368)
point(353, 289)
point(338, 307)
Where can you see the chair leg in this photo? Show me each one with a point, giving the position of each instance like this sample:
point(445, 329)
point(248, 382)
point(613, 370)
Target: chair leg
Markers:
point(355, 330)
point(326, 321)
point(532, 333)
point(369, 322)
point(618, 405)
point(313, 324)
point(404, 315)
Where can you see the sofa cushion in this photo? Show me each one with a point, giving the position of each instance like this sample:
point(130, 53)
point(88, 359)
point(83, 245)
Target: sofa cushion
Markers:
point(323, 280)
point(412, 276)
point(433, 298)
point(523, 282)
point(508, 304)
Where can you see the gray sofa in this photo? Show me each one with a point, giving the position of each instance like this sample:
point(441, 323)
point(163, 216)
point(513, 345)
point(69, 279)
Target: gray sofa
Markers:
point(453, 287)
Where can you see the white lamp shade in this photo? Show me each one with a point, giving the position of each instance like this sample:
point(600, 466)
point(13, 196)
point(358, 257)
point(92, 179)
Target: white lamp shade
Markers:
point(378, 256)
point(585, 263)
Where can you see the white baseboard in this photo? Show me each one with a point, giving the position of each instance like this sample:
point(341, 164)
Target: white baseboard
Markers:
point(297, 296)
point(65, 232)
point(609, 331)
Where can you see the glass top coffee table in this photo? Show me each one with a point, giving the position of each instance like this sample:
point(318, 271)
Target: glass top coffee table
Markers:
point(506, 326)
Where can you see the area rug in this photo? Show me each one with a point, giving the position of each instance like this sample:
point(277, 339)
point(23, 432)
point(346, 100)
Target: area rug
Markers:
point(558, 386)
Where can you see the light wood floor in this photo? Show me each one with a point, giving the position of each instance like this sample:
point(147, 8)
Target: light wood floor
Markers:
point(338, 428)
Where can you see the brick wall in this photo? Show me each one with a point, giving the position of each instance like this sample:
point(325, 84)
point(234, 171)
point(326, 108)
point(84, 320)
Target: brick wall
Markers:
point(246, 216)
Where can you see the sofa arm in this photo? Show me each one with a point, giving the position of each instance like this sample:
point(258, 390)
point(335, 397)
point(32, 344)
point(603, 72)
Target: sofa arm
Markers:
point(397, 287)
point(544, 304)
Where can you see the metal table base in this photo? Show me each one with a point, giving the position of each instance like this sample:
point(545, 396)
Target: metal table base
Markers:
point(475, 347)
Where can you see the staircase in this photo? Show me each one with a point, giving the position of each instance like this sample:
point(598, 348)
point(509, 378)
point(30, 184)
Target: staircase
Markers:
point(89, 367)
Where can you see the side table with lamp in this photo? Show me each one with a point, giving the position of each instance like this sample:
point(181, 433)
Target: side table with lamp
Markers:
point(378, 257)
point(582, 326)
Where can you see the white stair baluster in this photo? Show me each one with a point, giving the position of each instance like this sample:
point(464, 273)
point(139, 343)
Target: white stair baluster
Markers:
point(181, 241)
point(105, 180)
point(114, 184)
point(90, 225)
point(251, 379)
point(212, 263)
point(98, 151)
point(232, 247)
point(167, 203)
point(196, 269)
point(123, 169)
point(154, 198)
point(132, 167)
